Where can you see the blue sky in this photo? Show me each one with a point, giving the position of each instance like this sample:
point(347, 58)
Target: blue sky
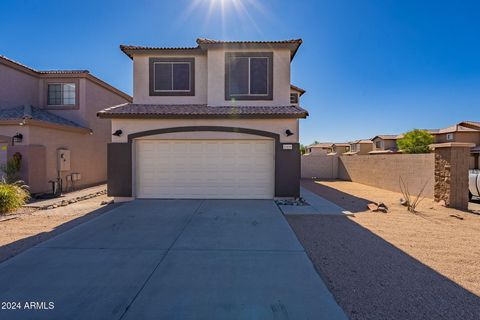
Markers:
point(369, 67)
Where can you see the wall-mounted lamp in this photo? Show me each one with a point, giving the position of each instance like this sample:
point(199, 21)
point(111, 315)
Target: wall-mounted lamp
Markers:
point(288, 133)
point(117, 133)
point(18, 137)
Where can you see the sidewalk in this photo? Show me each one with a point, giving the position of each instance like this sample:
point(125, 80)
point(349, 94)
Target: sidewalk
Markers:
point(68, 198)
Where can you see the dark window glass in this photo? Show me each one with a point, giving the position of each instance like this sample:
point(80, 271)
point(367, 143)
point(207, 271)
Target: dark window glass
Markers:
point(258, 75)
point(172, 76)
point(239, 76)
point(181, 76)
point(163, 76)
point(293, 97)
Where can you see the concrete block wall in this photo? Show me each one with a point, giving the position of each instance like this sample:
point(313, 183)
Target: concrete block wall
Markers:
point(321, 166)
point(384, 171)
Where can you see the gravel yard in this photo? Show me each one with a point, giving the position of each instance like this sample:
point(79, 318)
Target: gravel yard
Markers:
point(28, 226)
point(396, 265)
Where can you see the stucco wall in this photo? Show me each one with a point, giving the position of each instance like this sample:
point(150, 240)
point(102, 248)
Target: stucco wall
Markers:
point(319, 166)
point(384, 171)
point(17, 88)
point(278, 126)
point(210, 79)
point(281, 78)
point(471, 137)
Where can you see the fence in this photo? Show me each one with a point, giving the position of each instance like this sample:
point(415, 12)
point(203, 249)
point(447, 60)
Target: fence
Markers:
point(381, 171)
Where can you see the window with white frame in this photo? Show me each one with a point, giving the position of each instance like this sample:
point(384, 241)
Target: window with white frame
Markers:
point(61, 94)
point(449, 136)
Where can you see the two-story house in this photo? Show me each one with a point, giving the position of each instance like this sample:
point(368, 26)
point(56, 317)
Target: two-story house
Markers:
point(385, 144)
point(217, 120)
point(48, 118)
point(359, 147)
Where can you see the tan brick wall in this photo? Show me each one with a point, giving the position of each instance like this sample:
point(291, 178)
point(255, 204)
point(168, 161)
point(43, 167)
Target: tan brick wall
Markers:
point(319, 166)
point(384, 171)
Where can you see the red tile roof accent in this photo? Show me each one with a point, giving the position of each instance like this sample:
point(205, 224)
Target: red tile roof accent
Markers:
point(146, 111)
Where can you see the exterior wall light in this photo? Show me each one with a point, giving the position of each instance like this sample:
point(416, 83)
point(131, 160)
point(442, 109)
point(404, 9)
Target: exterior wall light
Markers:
point(17, 138)
point(117, 133)
point(288, 133)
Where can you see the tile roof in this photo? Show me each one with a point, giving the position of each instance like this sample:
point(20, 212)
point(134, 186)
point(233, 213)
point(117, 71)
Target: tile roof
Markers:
point(31, 113)
point(342, 144)
point(387, 136)
point(457, 128)
point(62, 73)
point(211, 41)
point(302, 91)
point(202, 42)
point(321, 145)
point(131, 110)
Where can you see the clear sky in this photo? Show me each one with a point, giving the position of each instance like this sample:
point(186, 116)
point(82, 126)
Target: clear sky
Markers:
point(369, 67)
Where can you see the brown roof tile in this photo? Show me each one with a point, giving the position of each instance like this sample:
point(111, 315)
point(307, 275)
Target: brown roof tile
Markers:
point(131, 110)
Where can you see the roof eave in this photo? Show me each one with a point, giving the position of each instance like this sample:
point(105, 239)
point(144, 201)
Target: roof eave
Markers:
point(104, 115)
point(45, 124)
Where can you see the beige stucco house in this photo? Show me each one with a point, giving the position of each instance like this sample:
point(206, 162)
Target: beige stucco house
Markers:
point(319, 148)
point(385, 144)
point(359, 147)
point(45, 115)
point(340, 148)
point(217, 120)
point(465, 131)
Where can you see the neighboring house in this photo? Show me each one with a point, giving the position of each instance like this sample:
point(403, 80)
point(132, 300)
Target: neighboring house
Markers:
point(319, 148)
point(44, 113)
point(385, 144)
point(211, 121)
point(340, 148)
point(295, 94)
point(359, 147)
point(466, 131)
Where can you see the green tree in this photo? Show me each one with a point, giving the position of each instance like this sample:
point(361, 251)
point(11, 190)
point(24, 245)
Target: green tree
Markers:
point(415, 141)
point(303, 149)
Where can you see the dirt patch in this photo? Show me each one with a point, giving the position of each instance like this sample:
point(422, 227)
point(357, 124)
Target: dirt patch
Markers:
point(27, 227)
point(396, 265)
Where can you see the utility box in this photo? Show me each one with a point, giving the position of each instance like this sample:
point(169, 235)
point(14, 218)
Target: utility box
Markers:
point(63, 160)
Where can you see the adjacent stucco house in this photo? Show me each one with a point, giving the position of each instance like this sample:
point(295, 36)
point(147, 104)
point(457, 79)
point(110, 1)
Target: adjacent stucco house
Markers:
point(466, 131)
point(45, 115)
point(359, 147)
point(385, 144)
point(340, 148)
point(319, 148)
point(217, 120)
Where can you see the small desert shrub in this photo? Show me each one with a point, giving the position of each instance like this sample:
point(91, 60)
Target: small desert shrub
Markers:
point(11, 168)
point(12, 196)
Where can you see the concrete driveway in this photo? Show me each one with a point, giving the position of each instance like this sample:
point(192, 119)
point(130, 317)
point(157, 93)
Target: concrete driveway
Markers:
point(170, 259)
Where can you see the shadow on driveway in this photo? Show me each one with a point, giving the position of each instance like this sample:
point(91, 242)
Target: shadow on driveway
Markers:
point(12, 249)
point(372, 279)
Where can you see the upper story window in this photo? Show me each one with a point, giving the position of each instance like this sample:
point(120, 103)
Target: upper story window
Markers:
point(61, 94)
point(449, 136)
point(379, 144)
point(172, 76)
point(248, 76)
point(294, 97)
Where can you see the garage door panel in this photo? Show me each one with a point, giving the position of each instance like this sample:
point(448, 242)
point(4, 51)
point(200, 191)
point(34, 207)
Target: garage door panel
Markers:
point(204, 169)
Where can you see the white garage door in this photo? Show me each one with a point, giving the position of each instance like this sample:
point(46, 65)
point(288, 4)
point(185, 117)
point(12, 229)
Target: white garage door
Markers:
point(214, 169)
